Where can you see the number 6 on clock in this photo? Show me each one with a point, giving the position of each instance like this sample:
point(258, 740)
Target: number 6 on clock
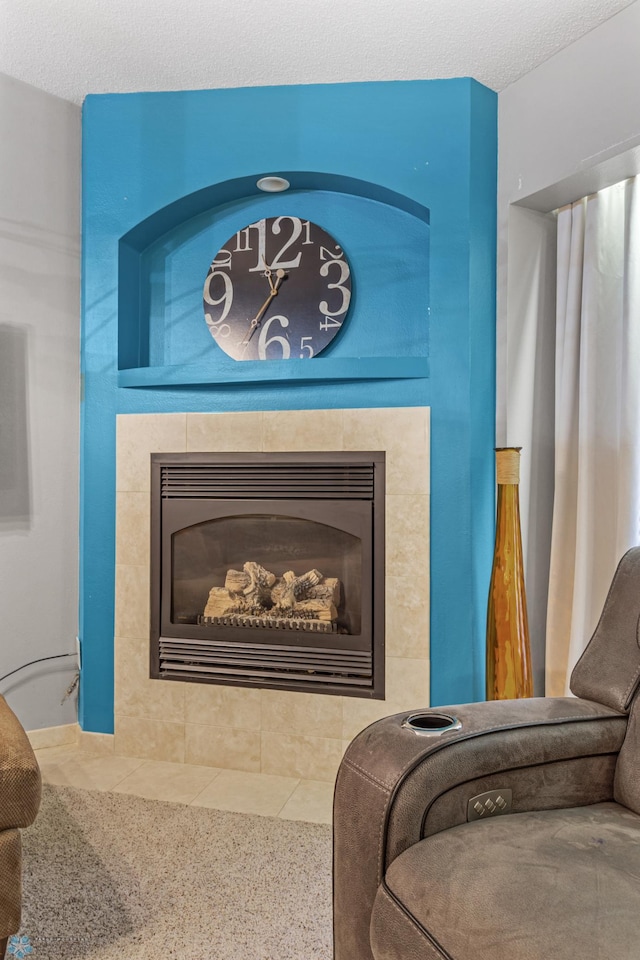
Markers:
point(265, 341)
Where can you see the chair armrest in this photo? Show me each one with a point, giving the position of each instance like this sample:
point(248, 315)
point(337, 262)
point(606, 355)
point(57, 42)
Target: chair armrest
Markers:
point(392, 785)
point(20, 782)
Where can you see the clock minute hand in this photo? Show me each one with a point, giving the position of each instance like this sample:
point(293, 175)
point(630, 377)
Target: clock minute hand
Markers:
point(280, 275)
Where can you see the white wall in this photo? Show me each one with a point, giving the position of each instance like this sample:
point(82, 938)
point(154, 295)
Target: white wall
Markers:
point(39, 397)
point(568, 128)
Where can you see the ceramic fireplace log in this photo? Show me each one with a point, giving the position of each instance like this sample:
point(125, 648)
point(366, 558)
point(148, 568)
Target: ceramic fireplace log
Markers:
point(327, 589)
point(261, 581)
point(221, 603)
point(237, 581)
point(317, 609)
point(290, 588)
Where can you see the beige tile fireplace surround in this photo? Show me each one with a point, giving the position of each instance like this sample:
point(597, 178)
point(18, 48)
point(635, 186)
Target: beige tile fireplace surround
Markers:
point(269, 731)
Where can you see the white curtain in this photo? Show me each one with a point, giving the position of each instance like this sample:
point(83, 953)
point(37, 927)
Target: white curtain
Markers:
point(596, 514)
point(529, 415)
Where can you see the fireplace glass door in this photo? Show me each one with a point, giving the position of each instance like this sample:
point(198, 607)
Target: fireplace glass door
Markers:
point(202, 554)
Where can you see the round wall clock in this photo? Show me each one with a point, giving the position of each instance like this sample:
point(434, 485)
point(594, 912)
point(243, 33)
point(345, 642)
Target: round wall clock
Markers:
point(278, 289)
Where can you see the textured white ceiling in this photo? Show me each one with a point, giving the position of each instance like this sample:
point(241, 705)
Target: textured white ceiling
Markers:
point(75, 47)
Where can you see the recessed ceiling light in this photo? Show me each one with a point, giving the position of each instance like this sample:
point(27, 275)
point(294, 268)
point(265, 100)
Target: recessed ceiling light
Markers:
point(273, 184)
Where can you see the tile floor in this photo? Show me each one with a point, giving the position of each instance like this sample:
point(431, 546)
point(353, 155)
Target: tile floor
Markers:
point(257, 793)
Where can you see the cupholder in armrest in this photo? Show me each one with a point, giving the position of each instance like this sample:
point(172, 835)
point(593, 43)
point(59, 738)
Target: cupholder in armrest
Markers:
point(431, 724)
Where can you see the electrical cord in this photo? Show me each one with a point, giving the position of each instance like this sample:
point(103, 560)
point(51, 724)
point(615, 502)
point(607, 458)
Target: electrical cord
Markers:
point(57, 656)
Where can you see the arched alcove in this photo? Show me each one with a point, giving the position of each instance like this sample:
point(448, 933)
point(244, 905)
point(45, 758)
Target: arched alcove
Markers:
point(162, 337)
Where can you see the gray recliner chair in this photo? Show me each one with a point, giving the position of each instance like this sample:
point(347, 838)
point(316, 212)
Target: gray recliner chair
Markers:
point(507, 830)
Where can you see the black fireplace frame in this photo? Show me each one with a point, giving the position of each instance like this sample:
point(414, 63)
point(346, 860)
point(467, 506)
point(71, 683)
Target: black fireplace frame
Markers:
point(357, 671)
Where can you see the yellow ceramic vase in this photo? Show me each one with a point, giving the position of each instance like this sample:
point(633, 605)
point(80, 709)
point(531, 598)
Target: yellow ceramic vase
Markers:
point(508, 652)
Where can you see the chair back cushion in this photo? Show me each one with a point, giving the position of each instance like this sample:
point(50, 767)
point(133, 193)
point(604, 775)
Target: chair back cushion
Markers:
point(609, 669)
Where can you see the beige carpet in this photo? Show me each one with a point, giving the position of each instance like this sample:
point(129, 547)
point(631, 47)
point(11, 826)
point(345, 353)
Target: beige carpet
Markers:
point(110, 875)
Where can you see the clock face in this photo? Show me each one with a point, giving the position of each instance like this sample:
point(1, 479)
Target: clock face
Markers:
point(278, 289)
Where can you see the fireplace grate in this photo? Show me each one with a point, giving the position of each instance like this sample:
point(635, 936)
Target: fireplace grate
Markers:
point(275, 481)
point(273, 664)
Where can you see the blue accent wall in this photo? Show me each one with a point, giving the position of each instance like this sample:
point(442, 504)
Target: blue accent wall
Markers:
point(403, 174)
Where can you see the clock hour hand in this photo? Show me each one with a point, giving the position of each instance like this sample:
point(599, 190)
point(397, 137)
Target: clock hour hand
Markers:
point(267, 274)
point(280, 275)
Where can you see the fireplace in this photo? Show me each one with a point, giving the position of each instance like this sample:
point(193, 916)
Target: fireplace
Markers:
point(267, 570)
